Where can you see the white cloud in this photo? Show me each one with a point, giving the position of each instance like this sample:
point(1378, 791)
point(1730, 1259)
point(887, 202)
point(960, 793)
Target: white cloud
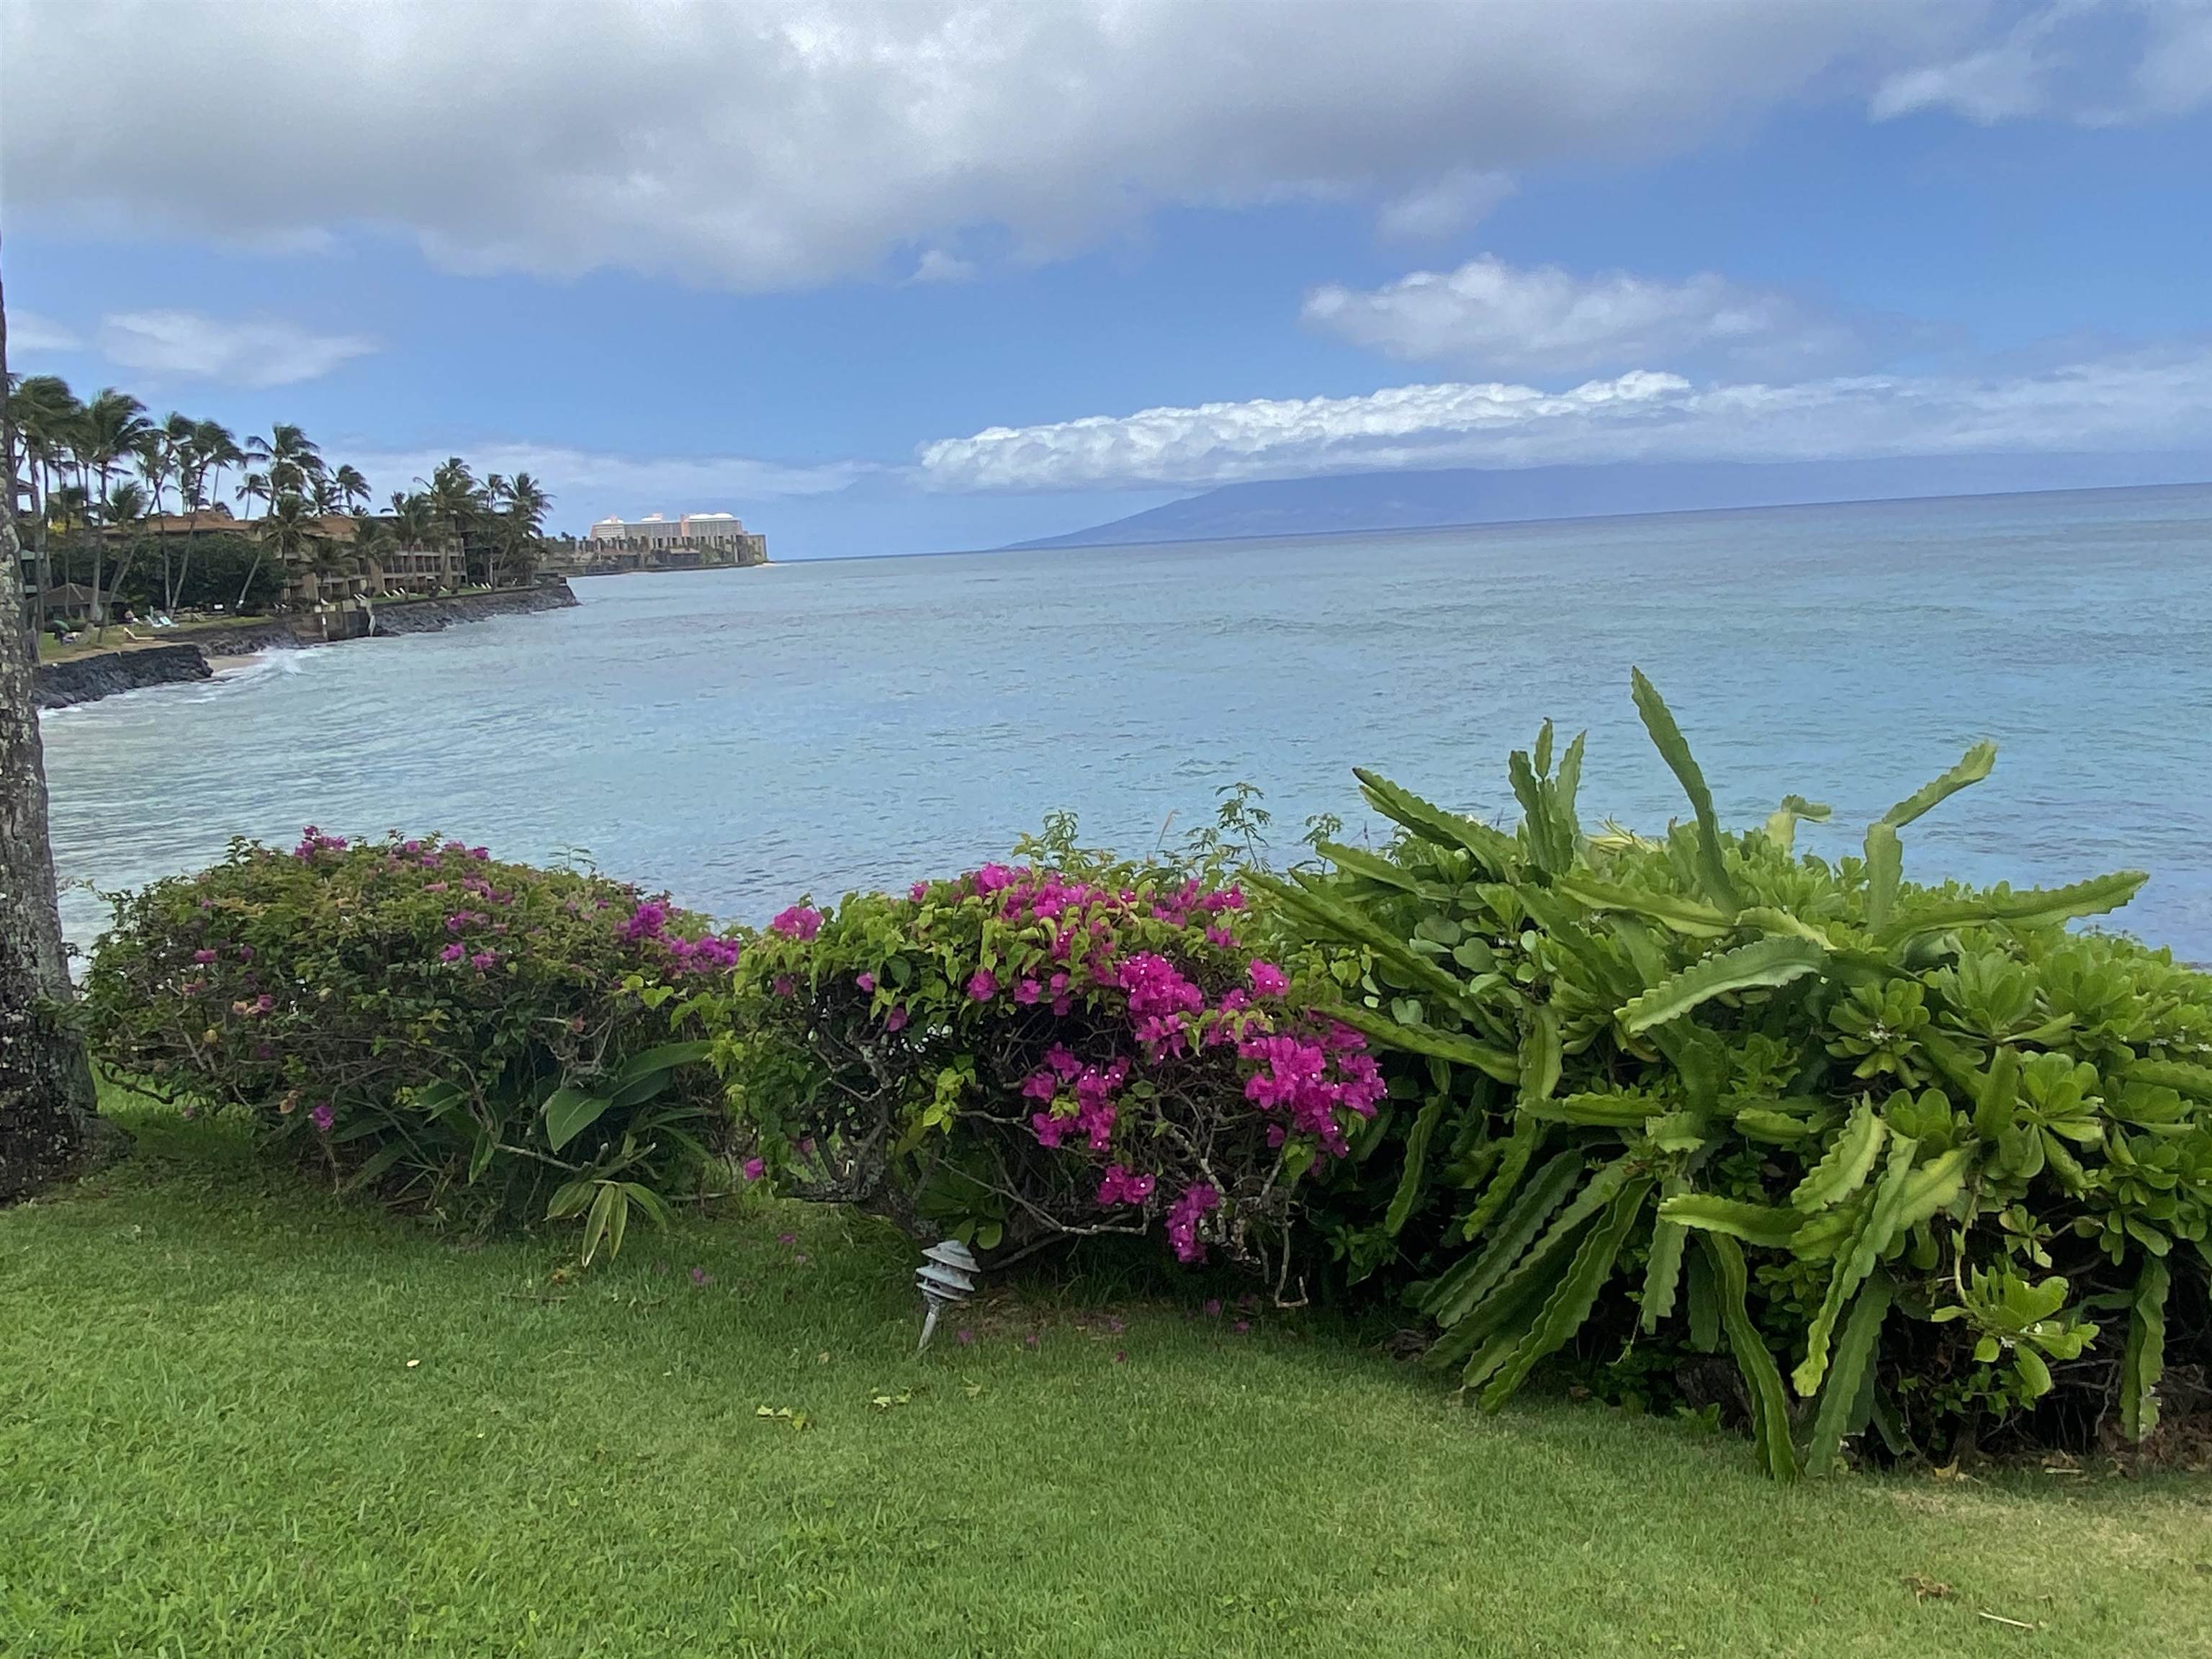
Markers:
point(936, 266)
point(264, 352)
point(2148, 400)
point(1493, 316)
point(1444, 207)
point(2101, 63)
point(28, 332)
point(776, 145)
point(633, 484)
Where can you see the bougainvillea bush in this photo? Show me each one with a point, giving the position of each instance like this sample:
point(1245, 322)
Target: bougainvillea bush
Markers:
point(1946, 1159)
point(1033, 1051)
point(484, 1041)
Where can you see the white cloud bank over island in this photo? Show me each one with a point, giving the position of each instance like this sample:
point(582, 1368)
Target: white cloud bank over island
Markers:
point(1488, 314)
point(2144, 401)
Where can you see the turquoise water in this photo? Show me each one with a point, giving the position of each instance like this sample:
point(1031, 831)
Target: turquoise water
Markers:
point(745, 736)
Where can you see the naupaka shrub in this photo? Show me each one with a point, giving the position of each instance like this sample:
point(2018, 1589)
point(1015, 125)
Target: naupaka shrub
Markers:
point(480, 1040)
point(1039, 1051)
point(1653, 1096)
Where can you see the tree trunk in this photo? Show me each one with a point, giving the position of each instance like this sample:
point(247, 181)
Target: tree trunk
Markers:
point(48, 1125)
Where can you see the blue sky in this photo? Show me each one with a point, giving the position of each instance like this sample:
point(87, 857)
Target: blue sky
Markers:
point(901, 278)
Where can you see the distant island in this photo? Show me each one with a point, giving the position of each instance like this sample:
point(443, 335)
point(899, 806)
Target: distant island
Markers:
point(1352, 502)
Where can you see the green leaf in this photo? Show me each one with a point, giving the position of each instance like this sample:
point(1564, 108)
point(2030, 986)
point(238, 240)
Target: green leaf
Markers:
point(1683, 916)
point(1416, 1155)
point(2195, 1081)
point(2143, 1360)
point(1662, 1269)
point(1782, 824)
point(1469, 1280)
point(1355, 926)
point(597, 1222)
point(1427, 1040)
point(2033, 907)
point(1848, 1163)
point(1568, 1305)
point(1540, 1056)
point(1766, 962)
point(1354, 861)
point(1594, 1111)
point(1659, 721)
point(1885, 872)
point(1755, 1223)
point(1849, 1374)
point(1934, 1186)
point(1971, 768)
point(1879, 1225)
point(1534, 1274)
point(1997, 1096)
point(1770, 1406)
point(1495, 852)
point(568, 1113)
point(665, 1057)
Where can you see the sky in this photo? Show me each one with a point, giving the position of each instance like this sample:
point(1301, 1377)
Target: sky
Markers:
point(919, 277)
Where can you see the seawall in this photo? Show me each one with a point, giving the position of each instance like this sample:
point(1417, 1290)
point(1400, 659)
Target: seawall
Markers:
point(86, 679)
point(430, 616)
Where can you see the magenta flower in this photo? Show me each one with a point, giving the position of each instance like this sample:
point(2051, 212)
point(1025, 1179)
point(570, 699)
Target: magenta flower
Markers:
point(1027, 992)
point(481, 960)
point(754, 1168)
point(203, 955)
point(453, 952)
point(866, 981)
point(982, 986)
point(895, 1020)
point(1269, 980)
point(801, 922)
point(322, 1116)
point(919, 891)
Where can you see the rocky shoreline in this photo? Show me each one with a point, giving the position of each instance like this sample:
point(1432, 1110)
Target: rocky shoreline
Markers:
point(88, 679)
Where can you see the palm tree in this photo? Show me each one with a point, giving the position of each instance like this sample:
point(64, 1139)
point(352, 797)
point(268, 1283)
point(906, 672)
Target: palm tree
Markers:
point(43, 410)
point(291, 458)
point(456, 500)
point(351, 486)
point(125, 508)
point(218, 451)
point(165, 454)
point(114, 425)
point(290, 529)
point(526, 504)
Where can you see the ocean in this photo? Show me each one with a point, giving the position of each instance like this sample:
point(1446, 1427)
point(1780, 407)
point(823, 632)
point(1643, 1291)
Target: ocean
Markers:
point(743, 738)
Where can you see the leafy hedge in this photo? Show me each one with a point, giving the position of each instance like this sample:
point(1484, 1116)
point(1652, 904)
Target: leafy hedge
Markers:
point(1028, 1053)
point(480, 1040)
point(1952, 1161)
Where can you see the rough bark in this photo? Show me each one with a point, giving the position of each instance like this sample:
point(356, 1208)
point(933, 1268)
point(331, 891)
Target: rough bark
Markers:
point(48, 1126)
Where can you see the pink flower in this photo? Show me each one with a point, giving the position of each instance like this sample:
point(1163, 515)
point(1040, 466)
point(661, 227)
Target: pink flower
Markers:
point(866, 981)
point(481, 960)
point(1119, 1186)
point(1220, 937)
point(895, 1020)
point(919, 891)
point(203, 955)
point(1269, 980)
point(322, 1116)
point(1197, 1200)
point(801, 922)
point(453, 952)
point(982, 986)
point(754, 1168)
point(1027, 992)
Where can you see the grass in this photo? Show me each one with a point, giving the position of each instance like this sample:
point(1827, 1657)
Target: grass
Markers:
point(239, 1418)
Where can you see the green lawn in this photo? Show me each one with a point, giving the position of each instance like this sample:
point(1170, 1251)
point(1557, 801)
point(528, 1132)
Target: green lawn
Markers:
point(238, 1418)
